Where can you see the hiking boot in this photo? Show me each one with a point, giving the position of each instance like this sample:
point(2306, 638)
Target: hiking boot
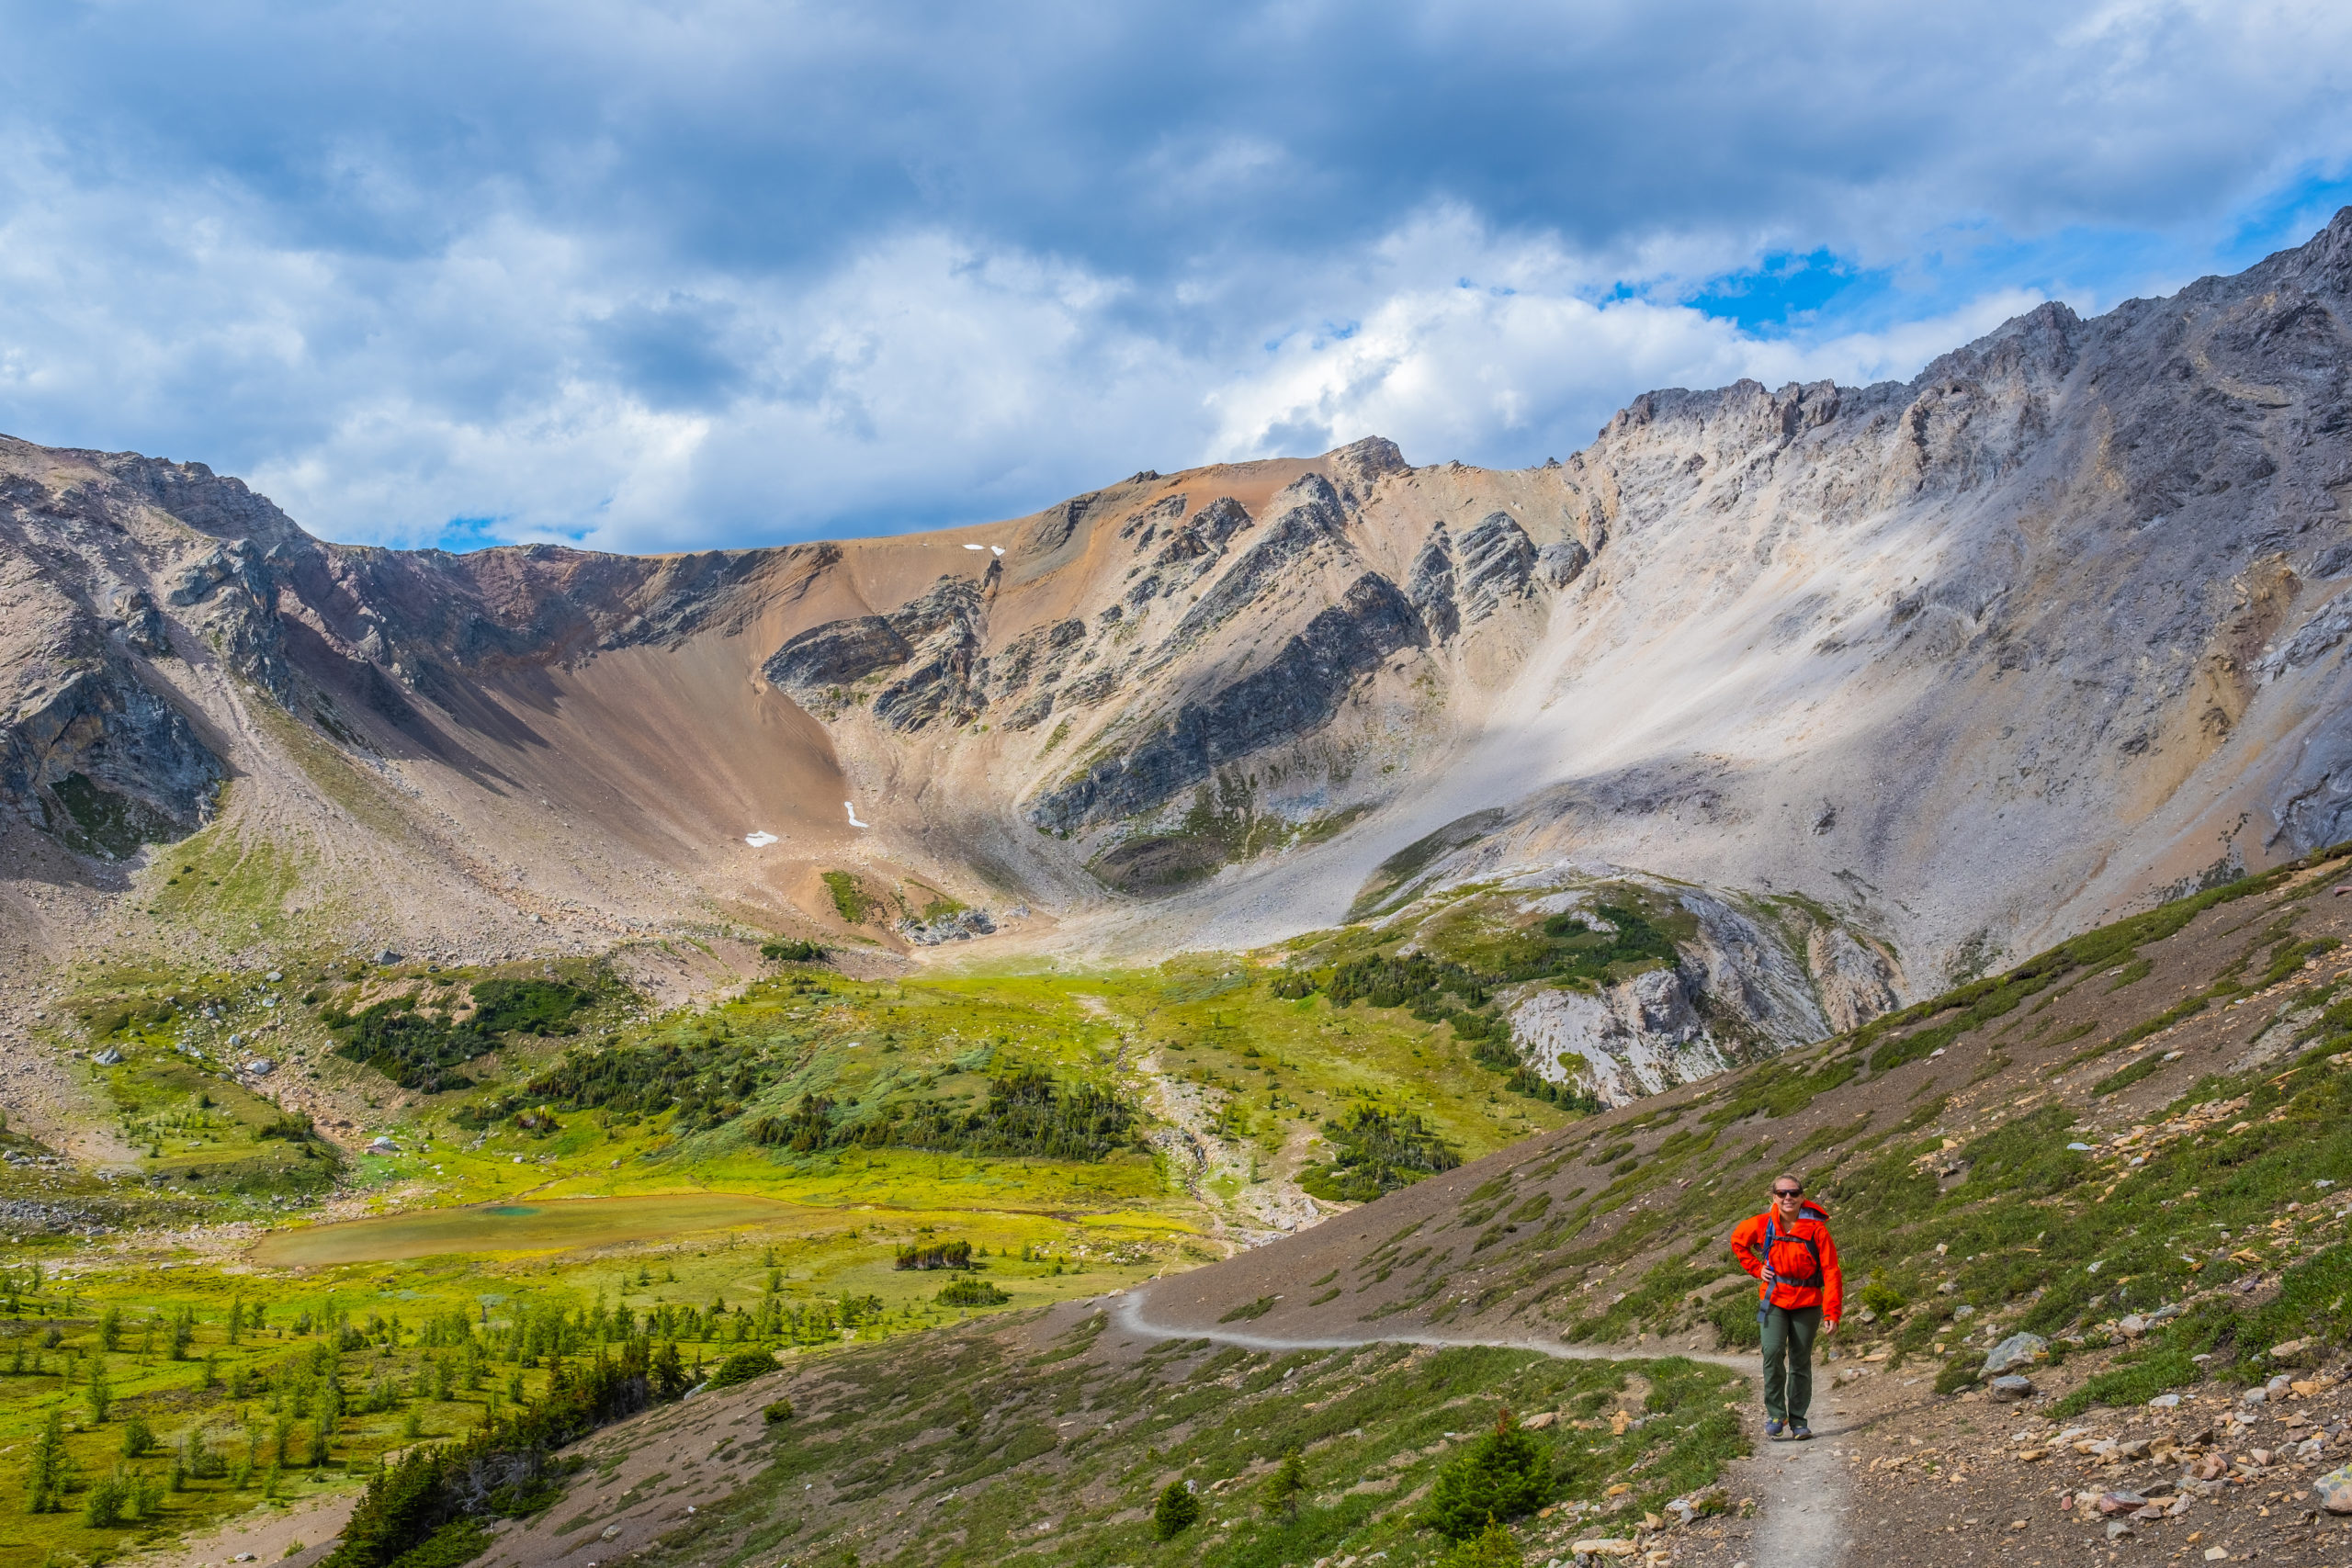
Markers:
point(1773, 1430)
point(1800, 1431)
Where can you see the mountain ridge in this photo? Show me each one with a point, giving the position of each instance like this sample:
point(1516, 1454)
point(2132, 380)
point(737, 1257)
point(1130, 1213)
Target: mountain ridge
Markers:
point(1820, 641)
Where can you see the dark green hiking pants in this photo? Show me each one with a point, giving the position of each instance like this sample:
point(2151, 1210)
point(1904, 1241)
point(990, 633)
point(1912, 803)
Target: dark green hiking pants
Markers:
point(1788, 1361)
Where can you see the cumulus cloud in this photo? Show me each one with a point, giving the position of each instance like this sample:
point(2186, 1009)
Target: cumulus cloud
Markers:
point(702, 273)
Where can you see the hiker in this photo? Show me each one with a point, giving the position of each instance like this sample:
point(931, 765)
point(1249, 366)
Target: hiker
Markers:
point(1801, 1293)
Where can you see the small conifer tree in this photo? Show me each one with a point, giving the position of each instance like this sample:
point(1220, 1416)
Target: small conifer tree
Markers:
point(1284, 1486)
point(1176, 1512)
point(1505, 1475)
point(45, 1475)
point(97, 1392)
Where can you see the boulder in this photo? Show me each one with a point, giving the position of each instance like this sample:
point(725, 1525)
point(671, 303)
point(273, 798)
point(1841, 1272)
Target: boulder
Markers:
point(1562, 562)
point(1606, 1546)
point(2334, 1490)
point(2012, 1386)
point(2016, 1350)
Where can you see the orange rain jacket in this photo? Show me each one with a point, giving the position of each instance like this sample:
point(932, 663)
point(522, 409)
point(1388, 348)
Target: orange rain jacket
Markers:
point(1794, 1283)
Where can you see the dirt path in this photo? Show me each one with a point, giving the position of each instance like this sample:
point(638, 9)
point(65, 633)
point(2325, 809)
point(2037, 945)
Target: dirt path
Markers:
point(1800, 1489)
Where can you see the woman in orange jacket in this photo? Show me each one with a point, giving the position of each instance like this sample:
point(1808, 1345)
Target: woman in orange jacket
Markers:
point(1788, 1249)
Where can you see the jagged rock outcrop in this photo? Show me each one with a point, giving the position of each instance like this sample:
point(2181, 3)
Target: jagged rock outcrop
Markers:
point(1430, 586)
point(1309, 519)
point(1498, 564)
point(837, 654)
point(1294, 694)
point(962, 925)
point(1740, 988)
point(930, 646)
point(105, 764)
point(1637, 1037)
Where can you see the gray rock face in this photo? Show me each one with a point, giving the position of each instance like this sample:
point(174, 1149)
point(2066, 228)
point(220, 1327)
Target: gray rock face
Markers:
point(1498, 563)
point(1203, 538)
point(1309, 518)
point(140, 623)
point(1854, 981)
point(2018, 1350)
point(838, 653)
point(1562, 562)
point(1635, 1038)
point(1430, 586)
point(1299, 690)
point(2011, 1387)
point(1220, 520)
point(104, 764)
point(1148, 521)
point(961, 926)
point(1362, 464)
point(943, 629)
point(931, 642)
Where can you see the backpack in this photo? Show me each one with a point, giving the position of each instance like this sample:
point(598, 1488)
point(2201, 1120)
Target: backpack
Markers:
point(1805, 1210)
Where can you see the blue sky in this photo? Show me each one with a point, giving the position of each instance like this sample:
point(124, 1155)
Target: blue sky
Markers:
point(670, 277)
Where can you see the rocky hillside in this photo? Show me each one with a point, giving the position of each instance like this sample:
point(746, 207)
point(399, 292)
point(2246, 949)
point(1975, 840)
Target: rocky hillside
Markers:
point(1960, 663)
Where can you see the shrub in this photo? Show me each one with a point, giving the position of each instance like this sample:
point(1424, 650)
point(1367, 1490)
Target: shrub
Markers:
point(1379, 1151)
point(851, 900)
point(1493, 1547)
point(1284, 1486)
point(972, 1292)
point(784, 952)
point(743, 1367)
point(1503, 1477)
point(777, 1413)
point(1959, 1372)
point(1176, 1512)
point(1734, 1315)
point(934, 1255)
point(102, 1506)
point(1882, 1299)
point(460, 1542)
point(527, 1006)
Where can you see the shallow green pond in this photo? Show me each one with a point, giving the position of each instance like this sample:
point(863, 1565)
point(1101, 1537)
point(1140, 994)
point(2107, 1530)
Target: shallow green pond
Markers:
point(560, 1223)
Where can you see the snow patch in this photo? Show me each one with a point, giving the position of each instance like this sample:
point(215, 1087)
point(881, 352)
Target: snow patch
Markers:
point(850, 806)
point(763, 838)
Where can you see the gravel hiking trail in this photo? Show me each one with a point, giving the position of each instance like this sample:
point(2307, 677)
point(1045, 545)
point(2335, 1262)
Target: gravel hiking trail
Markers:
point(1800, 1488)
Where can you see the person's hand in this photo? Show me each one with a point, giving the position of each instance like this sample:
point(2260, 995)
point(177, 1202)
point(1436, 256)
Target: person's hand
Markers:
point(1829, 1327)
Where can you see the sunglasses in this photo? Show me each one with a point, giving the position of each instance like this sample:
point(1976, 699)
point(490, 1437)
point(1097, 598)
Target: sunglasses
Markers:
point(1788, 1191)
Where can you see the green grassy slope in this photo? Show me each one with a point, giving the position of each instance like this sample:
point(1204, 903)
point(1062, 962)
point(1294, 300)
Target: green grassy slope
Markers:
point(2197, 1053)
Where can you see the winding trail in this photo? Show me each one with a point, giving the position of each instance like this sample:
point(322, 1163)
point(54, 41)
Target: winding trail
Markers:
point(1801, 1491)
